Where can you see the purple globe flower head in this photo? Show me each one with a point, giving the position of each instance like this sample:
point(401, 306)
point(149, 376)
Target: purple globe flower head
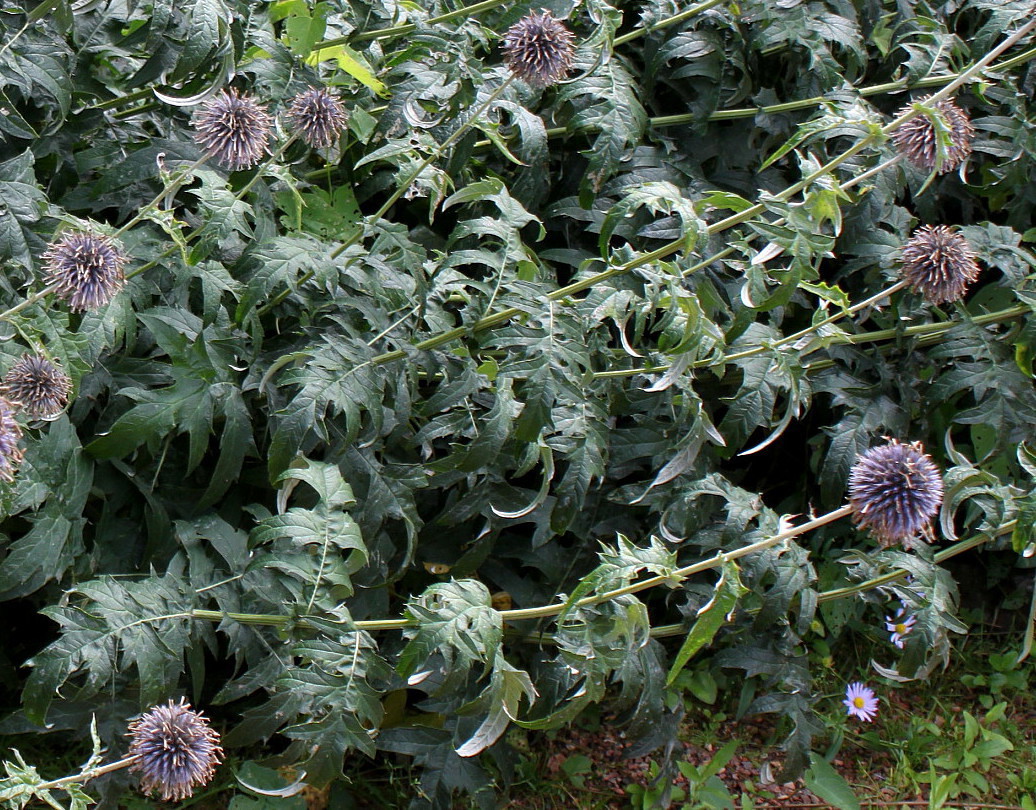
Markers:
point(10, 433)
point(84, 268)
point(860, 701)
point(176, 750)
point(918, 141)
point(939, 263)
point(539, 49)
point(319, 117)
point(899, 625)
point(233, 129)
point(37, 385)
point(895, 490)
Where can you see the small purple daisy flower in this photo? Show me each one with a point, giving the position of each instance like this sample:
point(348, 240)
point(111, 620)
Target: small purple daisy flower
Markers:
point(860, 701)
point(233, 129)
point(84, 268)
point(10, 433)
point(319, 117)
point(176, 750)
point(539, 49)
point(895, 490)
point(40, 387)
point(899, 625)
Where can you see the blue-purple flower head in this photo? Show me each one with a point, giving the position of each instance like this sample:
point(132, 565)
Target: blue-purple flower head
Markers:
point(319, 117)
point(233, 129)
point(938, 263)
point(860, 701)
point(84, 268)
point(918, 141)
point(10, 434)
point(37, 385)
point(539, 49)
point(895, 490)
point(176, 750)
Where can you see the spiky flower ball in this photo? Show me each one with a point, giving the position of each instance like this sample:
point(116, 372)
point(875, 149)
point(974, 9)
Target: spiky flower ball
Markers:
point(233, 129)
point(539, 49)
point(84, 268)
point(319, 117)
point(938, 263)
point(40, 387)
point(176, 750)
point(918, 142)
point(895, 490)
point(10, 434)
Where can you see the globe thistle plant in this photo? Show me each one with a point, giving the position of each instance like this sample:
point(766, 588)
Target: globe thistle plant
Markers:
point(895, 490)
point(539, 49)
point(37, 385)
point(860, 701)
point(10, 434)
point(84, 268)
point(319, 117)
point(176, 750)
point(233, 129)
point(918, 141)
point(938, 263)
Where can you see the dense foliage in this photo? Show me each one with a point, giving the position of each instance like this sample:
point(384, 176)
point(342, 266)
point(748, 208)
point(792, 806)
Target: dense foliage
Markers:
point(461, 420)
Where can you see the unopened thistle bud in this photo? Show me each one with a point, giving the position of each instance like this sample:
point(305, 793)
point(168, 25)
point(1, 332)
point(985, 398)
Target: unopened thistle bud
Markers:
point(918, 142)
point(233, 129)
point(319, 117)
point(895, 490)
point(37, 385)
point(176, 750)
point(938, 263)
point(539, 49)
point(84, 268)
point(10, 433)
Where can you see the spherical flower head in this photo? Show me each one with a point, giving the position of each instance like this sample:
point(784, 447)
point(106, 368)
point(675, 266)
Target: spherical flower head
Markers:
point(37, 385)
point(233, 129)
point(319, 117)
point(176, 750)
point(938, 263)
point(10, 433)
point(899, 625)
point(84, 268)
point(895, 490)
point(918, 141)
point(539, 49)
point(860, 701)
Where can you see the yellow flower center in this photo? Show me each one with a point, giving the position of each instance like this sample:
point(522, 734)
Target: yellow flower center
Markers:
point(859, 702)
point(901, 628)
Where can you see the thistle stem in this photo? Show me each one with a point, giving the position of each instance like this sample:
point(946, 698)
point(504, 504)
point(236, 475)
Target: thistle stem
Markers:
point(88, 774)
point(175, 182)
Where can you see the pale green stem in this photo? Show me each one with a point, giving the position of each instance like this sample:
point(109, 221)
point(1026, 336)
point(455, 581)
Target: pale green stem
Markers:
point(665, 23)
point(176, 181)
point(553, 610)
point(88, 774)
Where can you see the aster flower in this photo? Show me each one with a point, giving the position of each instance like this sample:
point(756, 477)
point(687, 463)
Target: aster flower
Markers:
point(918, 141)
point(40, 387)
point(176, 750)
point(84, 268)
point(10, 432)
point(895, 490)
point(899, 625)
point(860, 701)
point(233, 129)
point(938, 263)
point(319, 116)
point(539, 49)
